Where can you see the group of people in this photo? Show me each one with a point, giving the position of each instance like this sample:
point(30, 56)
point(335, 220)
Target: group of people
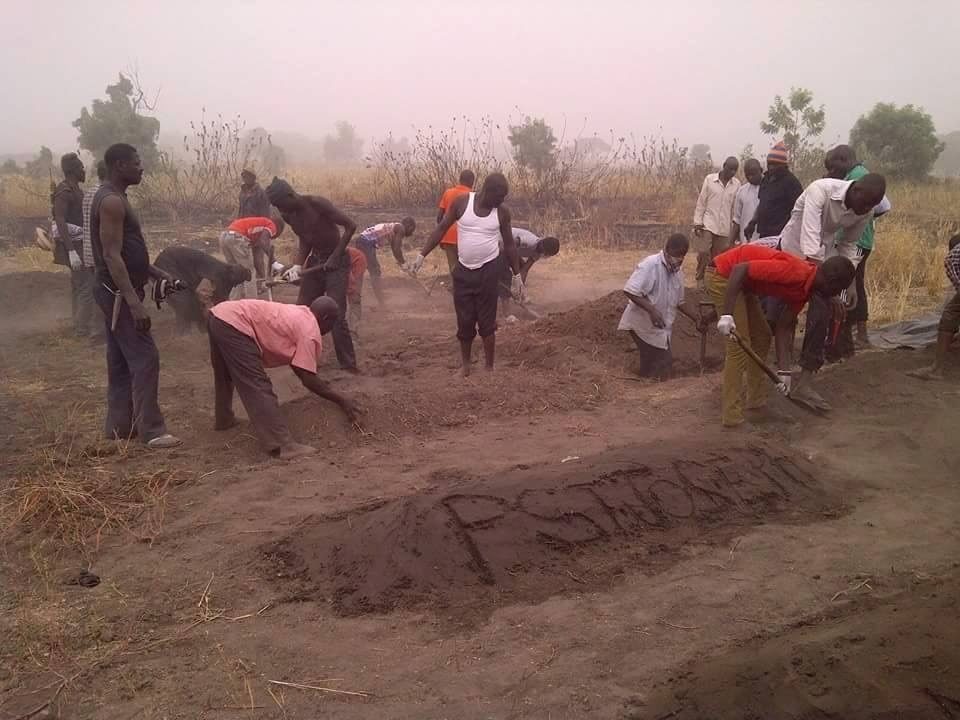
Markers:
point(765, 250)
point(99, 235)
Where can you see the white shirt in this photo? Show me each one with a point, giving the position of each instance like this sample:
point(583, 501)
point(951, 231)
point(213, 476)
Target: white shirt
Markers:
point(526, 244)
point(478, 238)
point(715, 204)
point(745, 207)
point(653, 280)
point(818, 213)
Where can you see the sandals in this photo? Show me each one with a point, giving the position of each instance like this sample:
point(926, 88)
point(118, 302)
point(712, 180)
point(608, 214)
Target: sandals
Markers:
point(164, 442)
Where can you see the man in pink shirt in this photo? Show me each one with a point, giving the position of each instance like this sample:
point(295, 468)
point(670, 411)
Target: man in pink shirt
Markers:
point(248, 336)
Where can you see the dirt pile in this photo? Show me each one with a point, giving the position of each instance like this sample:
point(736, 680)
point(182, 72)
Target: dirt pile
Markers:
point(590, 330)
point(532, 533)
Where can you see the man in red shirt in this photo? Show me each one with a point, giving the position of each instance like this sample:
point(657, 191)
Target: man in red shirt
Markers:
point(248, 336)
point(246, 242)
point(736, 281)
point(449, 241)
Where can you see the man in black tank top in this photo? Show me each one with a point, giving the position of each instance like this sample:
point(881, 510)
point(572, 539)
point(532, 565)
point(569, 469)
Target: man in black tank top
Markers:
point(122, 267)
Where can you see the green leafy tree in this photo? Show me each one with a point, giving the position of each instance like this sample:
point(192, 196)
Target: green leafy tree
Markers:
point(345, 146)
point(118, 119)
point(900, 142)
point(534, 145)
point(9, 167)
point(700, 154)
point(799, 123)
point(42, 165)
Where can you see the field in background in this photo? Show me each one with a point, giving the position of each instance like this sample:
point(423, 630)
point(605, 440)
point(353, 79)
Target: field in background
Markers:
point(603, 209)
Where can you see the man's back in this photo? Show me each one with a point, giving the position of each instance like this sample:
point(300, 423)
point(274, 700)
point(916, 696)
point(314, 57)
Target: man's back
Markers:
point(777, 195)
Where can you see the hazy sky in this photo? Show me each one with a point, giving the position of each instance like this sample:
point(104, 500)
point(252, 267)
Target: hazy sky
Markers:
point(703, 71)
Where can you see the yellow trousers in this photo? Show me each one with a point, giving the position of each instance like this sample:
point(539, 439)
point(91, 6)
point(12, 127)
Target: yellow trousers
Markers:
point(753, 329)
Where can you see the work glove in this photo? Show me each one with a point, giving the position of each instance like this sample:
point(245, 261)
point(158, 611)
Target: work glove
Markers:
point(517, 291)
point(293, 274)
point(413, 267)
point(163, 288)
point(726, 325)
point(75, 263)
point(277, 267)
point(785, 378)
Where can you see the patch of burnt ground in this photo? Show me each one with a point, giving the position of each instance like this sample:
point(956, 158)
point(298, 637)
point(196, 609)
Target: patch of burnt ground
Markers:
point(531, 533)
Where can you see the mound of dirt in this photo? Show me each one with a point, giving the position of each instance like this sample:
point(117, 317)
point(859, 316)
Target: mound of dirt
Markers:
point(591, 328)
point(532, 533)
point(894, 658)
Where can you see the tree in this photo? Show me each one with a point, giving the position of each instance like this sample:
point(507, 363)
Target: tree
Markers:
point(591, 148)
point(42, 165)
point(118, 120)
point(700, 154)
point(345, 146)
point(9, 167)
point(899, 142)
point(534, 145)
point(797, 121)
point(948, 163)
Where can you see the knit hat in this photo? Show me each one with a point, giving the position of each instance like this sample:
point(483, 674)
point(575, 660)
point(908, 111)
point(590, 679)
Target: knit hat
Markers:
point(778, 154)
point(277, 190)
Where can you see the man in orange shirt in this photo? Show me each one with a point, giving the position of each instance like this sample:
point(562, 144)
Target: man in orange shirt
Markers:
point(736, 280)
point(449, 241)
point(246, 242)
point(248, 336)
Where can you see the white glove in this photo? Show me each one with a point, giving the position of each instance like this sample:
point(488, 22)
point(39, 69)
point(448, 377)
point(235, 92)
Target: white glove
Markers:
point(277, 266)
point(75, 263)
point(293, 274)
point(517, 291)
point(413, 267)
point(786, 380)
point(726, 325)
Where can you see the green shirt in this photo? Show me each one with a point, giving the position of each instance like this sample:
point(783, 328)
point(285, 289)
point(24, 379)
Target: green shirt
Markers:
point(866, 239)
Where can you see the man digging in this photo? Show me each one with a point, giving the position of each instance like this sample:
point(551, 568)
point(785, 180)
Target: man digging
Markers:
point(950, 318)
point(248, 336)
point(482, 223)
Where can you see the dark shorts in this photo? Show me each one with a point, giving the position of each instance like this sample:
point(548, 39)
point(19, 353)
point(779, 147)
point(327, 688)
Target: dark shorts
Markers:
point(370, 253)
point(950, 319)
point(475, 299)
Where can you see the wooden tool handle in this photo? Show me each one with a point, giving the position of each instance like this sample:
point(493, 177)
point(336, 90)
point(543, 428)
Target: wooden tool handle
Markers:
point(756, 358)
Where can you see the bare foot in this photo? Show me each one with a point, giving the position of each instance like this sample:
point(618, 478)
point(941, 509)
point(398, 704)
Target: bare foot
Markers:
point(464, 371)
point(295, 450)
point(221, 425)
point(488, 368)
point(927, 373)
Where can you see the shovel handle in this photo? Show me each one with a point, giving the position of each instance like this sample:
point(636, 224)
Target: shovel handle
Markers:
point(756, 358)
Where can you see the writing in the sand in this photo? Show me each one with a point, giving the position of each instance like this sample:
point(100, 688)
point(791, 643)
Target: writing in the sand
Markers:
point(641, 499)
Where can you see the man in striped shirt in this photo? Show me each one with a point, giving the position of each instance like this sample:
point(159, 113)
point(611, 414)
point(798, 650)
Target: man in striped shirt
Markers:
point(96, 327)
point(949, 320)
point(375, 237)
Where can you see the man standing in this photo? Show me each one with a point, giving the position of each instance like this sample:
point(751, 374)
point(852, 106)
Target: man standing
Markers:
point(745, 204)
point(738, 277)
point(777, 194)
point(246, 242)
point(711, 219)
point(655, 293)
point(253, 198)
point(96, 325)
point(449, 241)
point(841, 163)
point(482, 223)
point(949, 319)
point(247, 336)
point(122, 270)
point(316, 220)
point(373, 238)
point(67, 213)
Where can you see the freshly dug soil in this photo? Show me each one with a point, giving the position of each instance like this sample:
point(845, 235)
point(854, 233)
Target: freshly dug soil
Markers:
point(533, 533)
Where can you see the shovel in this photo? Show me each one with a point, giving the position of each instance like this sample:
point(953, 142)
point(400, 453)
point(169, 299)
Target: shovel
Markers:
point(768, 371)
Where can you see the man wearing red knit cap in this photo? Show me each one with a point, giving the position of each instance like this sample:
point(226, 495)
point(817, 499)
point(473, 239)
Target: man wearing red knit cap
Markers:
point(779, 191)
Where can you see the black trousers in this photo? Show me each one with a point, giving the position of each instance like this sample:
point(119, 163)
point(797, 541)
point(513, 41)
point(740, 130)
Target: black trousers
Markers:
point(333, 284)
point(654, 362)
point(133, 375)
point(475, 299)
point(844, 346)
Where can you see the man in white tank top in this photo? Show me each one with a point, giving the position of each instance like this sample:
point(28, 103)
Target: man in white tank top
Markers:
point(482, 223)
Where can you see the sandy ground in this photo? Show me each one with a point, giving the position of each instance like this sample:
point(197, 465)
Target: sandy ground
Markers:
point(555, 540)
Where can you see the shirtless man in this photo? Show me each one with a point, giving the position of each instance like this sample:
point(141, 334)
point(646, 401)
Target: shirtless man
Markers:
point(316, 221)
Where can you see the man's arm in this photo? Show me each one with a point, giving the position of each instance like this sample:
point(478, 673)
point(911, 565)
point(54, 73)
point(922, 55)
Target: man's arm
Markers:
point(454, 212)
point(734, 287)
point(701, 206)
point(60, 202)
point(525, 266)
point(396, 246)
point(735, 218)
point(509, 242)
point(313, 383)
point(783, 338)
point(112, 213)
point(642, 302)
point(846, 244)
point(811, 226)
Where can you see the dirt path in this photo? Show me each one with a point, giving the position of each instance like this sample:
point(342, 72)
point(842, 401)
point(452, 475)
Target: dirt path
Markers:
point(450, 564)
